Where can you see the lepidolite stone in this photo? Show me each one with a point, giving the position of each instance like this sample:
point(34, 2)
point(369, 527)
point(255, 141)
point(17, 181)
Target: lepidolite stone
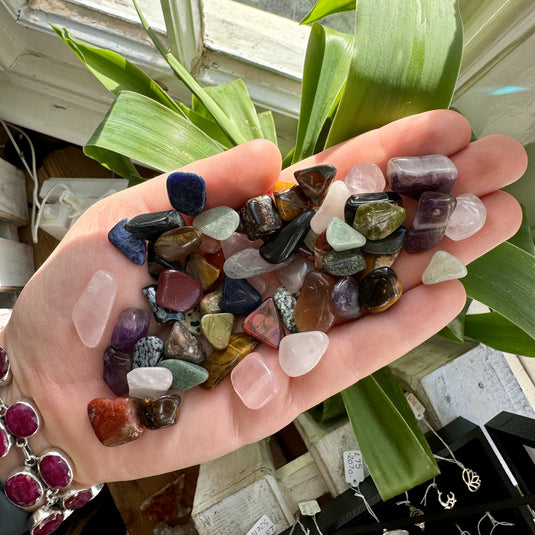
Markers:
point(147, 352)
point(443, 266)
point(117, 364)
point(467, 218)
point(115, 421)
point(24, 489)
point(380, 289)
point(131, 246)
point(187, 192)
point(55, 470)
point(161, 314)
point(186, 375)
point(412, 175)
point(21, 419)
point(341, 236)
point(149, 226)
point(345, 297)
point(218, 223)
point(265, 324)
point(239, 297)
point(290, 200)
point(174, 245)
point(332, 206)
point(160, 412)
point(299, 353)
point(378, 219)
point(182, 344)
point(365, 178)
point(217, 328)
point(429, 223)
point(131, 325)
point(178, 291)
point(5, 368)
point(358, 199)
point(149, 382)
point(259, 217)
point(315, 182)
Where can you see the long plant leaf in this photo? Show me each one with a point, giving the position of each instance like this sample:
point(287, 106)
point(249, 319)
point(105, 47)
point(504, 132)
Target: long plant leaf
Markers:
point(406, 58)
point(144, 130)
point(324, 8)
point(267, 124)
point(495, 331)
point(454, 330)
point(326, 64)
point(523, 237)
point(394, 449)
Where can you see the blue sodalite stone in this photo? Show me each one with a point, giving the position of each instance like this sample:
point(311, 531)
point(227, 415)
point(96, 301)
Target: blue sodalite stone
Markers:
point(187, 192)
point(131, 246)
point(161, 314)
point(239, 297)
point(147, 352)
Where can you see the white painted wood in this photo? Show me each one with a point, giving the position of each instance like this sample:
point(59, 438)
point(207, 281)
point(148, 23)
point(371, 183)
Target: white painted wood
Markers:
point(13, 204)
point(16, 264)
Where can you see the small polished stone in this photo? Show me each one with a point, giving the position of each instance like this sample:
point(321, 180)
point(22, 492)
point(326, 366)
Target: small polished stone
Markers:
point(253, 381)
point(467, 218)
point(186, 374)
point(314, 310)
point(310, 240)
point(220, 363)
point(192, 321)
point(281, 245)
point(178, 291)
point(265, 324)
point(379, 290)
point(187, 192)
point(293, 275)
point(74, 500)
point(131, 325)
point(249, 263)
point(285, 303)
point(206, 273)
point(21, 419)
point(117, 364)
point(211, 302)
point(345, 297)
point(341, 236)
point(430, 221)
point(131, 246)
point(390, 245)
point(239, 297)
point(299, 353)
point(333, 206)
point(182, 344)
point(156, 264)
point(149, 382)
point(376, 220)
point(365, 178)
point(91, 312)
point(443, 267)
point(315, 181)
point(358, 199)
point(175, 245)
point(115, 421)
point(238, 242)
point(412, 175)
point(160, 412)
point(147, 352)
point(5, 368)
point(374, 261)
point(209, 245)
point(259, 217)
point(24, 489)
point(149, 226)
point(161, 314)
point(55, 470)
point(217, 328)
point(337, 263)
point(218, 223)
point(290, 200)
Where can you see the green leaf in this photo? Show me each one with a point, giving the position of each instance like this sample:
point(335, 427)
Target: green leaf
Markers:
point(267, 125)
point(114, 72)
point(393, 446)
point(209, 127)
point(504, 280)
point(406, 58)
point(144, 130)
point(454, 330)
point(331, 409)
point(323, 8)
point(523, 237)
point(326, 64)
point(494, 330)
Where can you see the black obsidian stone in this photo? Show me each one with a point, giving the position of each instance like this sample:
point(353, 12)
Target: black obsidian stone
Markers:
point(150, 226)
point(358, 199)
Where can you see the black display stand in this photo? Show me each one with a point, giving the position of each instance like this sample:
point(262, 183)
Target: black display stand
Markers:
point(512, 434)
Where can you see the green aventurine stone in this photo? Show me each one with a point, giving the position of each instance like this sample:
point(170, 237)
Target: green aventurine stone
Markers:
point(341, 237)
point(377, 219)
point(185, 374)
point(218, 223)
point(217, 328)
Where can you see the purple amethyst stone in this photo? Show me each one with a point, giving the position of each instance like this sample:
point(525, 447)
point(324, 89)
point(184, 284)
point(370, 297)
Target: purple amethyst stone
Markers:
point(131, 325)
point(116, 367)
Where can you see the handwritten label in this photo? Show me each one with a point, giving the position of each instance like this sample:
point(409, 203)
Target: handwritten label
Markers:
point(309, 508)
point(264, 526)
point(353, 467)
point(417, 408)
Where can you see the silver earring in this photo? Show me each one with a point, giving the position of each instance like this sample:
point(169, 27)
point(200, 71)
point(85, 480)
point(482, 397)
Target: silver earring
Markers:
point(413, 511)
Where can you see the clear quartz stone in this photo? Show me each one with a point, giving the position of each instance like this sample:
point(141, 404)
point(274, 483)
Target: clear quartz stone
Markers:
point(237, 242)
point(218, 223)
point(300, 352)
point(293, 275)
point(333, 206)
point(149, 382)
point(248, 263)
point(467, 218)
point(365, 178)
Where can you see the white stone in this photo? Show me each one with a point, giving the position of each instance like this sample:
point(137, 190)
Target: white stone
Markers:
point(332, 206)
point(149, 382)
point(219, 223)
point(300, 352)
point(443, 267)
point(293, 275)
point(467, 218)
point(248, 263)
point(341, 237)
point(365, 178)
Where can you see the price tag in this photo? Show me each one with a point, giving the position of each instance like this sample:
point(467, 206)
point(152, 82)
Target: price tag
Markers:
point(417, 408)
point(264, 526)
point(309, 508)
point(353, 467)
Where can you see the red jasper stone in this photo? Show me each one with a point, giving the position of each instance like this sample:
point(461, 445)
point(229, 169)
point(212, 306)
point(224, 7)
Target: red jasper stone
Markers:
point(55, 470)
point(264, 324)
point(178, 291)
point(21, 419)
point(78, 499)
point(116, 420)
point(49, 524)
point(24, 489)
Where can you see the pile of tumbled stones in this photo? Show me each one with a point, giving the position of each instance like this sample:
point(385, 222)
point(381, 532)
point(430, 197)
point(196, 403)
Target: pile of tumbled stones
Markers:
point(315, 254)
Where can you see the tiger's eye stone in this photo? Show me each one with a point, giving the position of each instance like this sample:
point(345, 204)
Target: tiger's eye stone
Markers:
point(290, 200)
point(182, 344)
point(149, 226)
point(259, 217)
point(315, 181)
point(178, 291)
point(187, 192)
point(356, 200)
point(174, 245)
point(429, 224)
point(314, 310)
point(378, 219)
point(217, 328)
point(265, 324)
point(160, 412)
point(198, 267)
point(220, 363)
point(239, 297)
point(380, 289)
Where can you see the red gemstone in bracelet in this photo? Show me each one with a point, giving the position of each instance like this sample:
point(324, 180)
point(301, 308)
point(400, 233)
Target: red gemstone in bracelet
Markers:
point(21, 419)
point(55, 470)
point(24, 489)
point(46, 520)
point(78, 499)
point(6, 441)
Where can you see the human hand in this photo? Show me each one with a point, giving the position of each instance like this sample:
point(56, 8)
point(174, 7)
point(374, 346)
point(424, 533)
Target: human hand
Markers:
point(53, 368)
